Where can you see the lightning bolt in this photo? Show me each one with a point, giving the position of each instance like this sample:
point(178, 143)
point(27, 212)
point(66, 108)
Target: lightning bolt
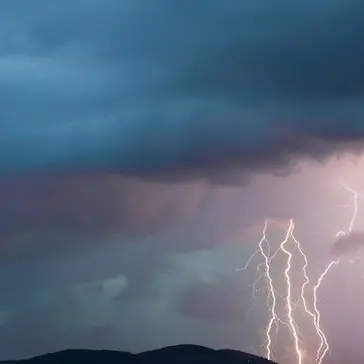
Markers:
point(273, 315)
point(264, 250)
point(355, 212)
point(324, 346)
point(289, 292)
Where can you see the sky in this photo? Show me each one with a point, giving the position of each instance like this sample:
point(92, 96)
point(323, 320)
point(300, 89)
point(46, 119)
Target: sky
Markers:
point(142, 146)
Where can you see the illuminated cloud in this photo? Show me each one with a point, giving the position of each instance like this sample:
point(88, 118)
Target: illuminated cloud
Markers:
point(348, 244)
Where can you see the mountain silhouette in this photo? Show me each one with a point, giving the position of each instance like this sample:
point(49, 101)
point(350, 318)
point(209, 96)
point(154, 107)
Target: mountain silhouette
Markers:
point(180, 354)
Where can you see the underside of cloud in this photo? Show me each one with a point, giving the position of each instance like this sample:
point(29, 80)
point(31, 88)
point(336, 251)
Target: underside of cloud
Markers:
point(47, 214)
point(179, 90)
point(348, 244)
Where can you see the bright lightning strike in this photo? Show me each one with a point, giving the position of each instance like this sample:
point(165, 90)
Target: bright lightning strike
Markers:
point(264, 249)
point(324, 346)
point(273, 316)
point(289, 292)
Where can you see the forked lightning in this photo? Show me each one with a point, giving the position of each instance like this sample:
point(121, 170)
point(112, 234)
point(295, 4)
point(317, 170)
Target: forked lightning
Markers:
point(264, 249)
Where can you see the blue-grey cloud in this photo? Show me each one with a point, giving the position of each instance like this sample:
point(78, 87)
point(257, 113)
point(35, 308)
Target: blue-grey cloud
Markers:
point(178, 89)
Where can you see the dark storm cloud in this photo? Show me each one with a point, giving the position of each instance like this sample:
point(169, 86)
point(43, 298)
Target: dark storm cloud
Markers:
point(171, 88)
point(349, 243)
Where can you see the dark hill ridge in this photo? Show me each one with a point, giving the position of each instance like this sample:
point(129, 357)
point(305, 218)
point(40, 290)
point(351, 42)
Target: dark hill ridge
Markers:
point(181, 354)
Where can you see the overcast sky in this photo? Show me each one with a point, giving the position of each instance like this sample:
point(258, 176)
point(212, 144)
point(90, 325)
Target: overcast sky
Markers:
point(142, 146)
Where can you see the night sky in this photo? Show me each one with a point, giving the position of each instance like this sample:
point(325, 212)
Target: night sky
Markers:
point(142, 146)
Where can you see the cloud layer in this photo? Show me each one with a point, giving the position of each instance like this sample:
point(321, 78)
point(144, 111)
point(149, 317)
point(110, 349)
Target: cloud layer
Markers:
point(47, 214)
point(178, 89)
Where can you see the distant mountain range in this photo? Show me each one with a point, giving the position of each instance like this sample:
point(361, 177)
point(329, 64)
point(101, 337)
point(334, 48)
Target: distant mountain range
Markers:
point(181, 354)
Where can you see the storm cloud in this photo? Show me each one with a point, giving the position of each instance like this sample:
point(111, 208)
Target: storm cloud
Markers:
point(179, 90)
point(348, 243)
